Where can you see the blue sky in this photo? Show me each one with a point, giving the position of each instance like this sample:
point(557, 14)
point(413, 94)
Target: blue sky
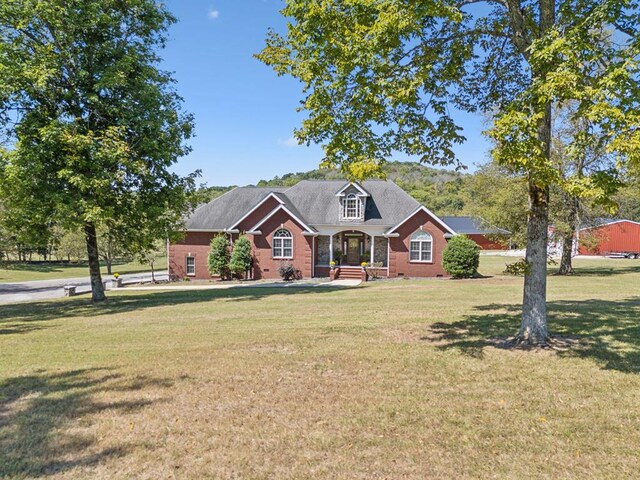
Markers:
point(245, 114)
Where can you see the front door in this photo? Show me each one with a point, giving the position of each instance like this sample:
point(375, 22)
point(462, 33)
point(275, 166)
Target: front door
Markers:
point(353, 250)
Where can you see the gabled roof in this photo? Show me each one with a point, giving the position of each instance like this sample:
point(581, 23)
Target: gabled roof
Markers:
point(223, 212)
point(467, 225)
point(601, 222)
point(314, 203)
point(428, 212)
point(297, 218)
point(387, 205)
point(361, 191)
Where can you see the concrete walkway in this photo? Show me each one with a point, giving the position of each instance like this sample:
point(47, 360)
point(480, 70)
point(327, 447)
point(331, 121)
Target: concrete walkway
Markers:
point(224, 286)
point(48, 289)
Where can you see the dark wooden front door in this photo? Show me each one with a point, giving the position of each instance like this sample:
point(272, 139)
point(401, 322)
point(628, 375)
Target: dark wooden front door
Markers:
point(354, 245)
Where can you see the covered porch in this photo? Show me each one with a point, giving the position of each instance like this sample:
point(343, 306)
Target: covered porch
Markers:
point(351, 248)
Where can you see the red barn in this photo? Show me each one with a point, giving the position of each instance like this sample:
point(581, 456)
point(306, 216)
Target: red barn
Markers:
point(611, 236)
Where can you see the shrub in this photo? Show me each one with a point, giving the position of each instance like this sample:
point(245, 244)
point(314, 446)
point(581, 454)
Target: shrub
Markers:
point(461, 257)
point(218, 259)
point(373, 270)
point(240, 257)
point(521, 267)
point(518, 269)
point(288, 272)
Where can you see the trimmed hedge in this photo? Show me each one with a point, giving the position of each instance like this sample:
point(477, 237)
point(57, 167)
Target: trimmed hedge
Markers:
point(218, 259)
point(240, 261)
point(461, 257)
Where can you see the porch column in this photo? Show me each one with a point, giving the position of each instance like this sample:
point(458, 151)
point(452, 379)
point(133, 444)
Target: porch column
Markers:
point(372, 249)
point(331, 248)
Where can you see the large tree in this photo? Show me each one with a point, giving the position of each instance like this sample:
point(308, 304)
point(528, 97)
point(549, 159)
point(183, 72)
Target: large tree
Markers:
point(93, 124)
point(381, 76)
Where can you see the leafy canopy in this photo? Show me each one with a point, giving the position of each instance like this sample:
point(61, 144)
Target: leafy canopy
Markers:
point(381, 76)
point(93, 125)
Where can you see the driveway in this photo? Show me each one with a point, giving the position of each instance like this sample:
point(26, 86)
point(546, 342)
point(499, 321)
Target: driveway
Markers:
point(47, 289)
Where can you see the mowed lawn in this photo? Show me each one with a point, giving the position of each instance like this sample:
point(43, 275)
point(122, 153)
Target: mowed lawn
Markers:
point(25, 272)
point(394, 379)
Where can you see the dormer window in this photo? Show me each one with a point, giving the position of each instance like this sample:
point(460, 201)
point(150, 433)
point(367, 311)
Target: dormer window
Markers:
point(352, 207)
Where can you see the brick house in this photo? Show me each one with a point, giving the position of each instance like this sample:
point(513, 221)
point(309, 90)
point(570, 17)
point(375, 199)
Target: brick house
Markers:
point(314, 224)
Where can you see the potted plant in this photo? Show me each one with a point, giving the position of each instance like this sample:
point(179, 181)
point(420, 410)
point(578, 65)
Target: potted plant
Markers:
point(117, 281)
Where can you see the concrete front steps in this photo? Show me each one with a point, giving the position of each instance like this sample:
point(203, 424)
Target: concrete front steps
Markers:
point(348, 273)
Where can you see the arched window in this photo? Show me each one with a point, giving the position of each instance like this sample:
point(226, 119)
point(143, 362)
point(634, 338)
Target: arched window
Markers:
point(282, 244)
point(421, 247)
point(351, 207)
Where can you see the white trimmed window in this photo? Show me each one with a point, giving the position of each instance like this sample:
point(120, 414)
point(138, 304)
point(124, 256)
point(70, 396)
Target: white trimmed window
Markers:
point(351, 207)
point(191, 266)
point(421, 248)
point(282, 244)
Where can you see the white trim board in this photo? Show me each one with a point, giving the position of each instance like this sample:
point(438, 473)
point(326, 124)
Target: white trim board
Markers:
point(271, 195)
point(428, 212)
point(609, 223)
point(363, 192)
point(277, 209)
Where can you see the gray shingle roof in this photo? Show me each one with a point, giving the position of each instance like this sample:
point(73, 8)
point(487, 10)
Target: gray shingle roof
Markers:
point(314, 202)
point(471, 226)
point(222, 212)
point(317, 202)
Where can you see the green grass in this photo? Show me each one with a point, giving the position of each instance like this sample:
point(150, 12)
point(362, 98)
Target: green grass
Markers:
point(395, 379)
point(25, 272)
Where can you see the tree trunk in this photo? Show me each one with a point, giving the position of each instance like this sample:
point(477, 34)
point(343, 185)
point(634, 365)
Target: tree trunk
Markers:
point(566, 265)
point(109, 262)
point(97, 288)
point(153, 273)
point(533, 329)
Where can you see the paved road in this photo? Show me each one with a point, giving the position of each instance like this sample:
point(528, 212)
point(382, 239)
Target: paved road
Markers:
point(46, 289)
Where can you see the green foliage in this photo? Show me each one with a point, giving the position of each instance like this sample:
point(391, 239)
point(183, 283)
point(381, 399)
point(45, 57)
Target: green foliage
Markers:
point(518, 269)
point(218, 258)
point(289, 272)
point(99, 125)
point(499, 198)
point(461, 257)
point(241, 257)
point(205, 194)
point(522, 268)
point(151, 256)
point(379, 77)
point(71, 246)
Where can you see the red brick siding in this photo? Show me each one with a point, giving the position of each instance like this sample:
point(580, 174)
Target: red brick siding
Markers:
point(399, 262)
point(262, 211)
point(195, 244)
point(265, 266)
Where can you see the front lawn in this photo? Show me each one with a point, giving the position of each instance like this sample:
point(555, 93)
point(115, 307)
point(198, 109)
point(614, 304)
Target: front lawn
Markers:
point(394, 379)
point(25, 272)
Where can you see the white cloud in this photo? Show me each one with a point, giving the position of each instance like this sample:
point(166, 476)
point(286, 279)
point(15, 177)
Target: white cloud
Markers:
point(213, 14)
point(290, 142)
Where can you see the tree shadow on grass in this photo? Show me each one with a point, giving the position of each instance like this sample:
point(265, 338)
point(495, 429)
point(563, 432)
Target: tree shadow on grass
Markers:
point(83, 307)
point(37, 410)
point(604, 270)
point(607, 331)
